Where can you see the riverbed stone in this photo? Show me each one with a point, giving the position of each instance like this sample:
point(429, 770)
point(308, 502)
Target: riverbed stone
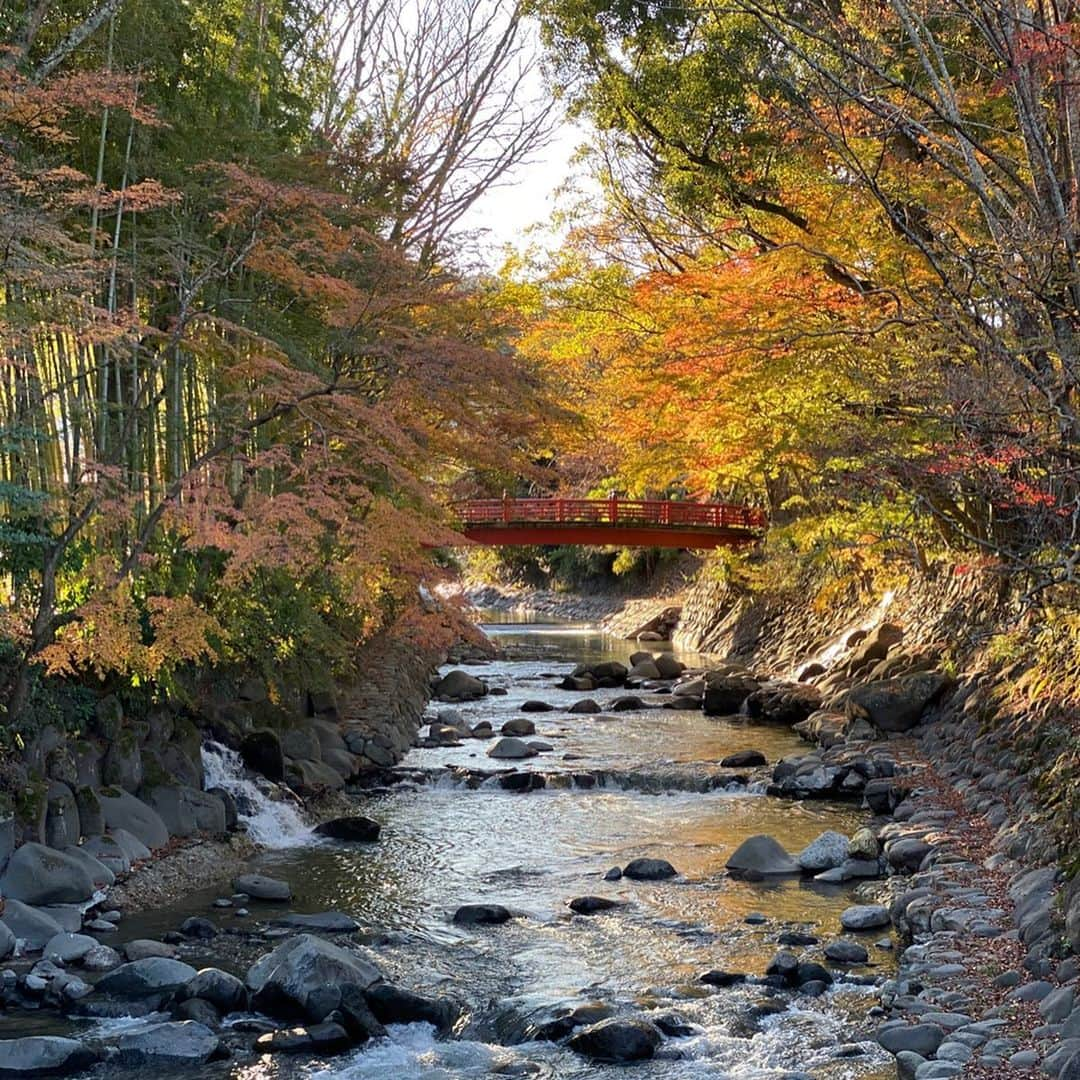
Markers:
point(743, 759)
point(481, 915)
point(133, 848)
point(537, 706)
point(101, 958)
point(44, 1055)
point(864, 917)
point(100, 874)
point(174, 1042)
point(7, 941)
point(261, 887)
point(585, 706)
point(68, 948)
point(146, 978)
point(725, 694)
point(392, 1004)
point(763, 855)
point(30, 925)
point(304, 976)
point(321, 922)
point(922, 1039)
point(863, 845)
point(356, 828)
point(40, 875)
point(511, 748)
point(649, 870)
point(261, 752)
point(895, 705)
point(108, 852)
point(519, 725)
point(146, 948)
point(459, 686)
point(224, 991)
point(829, 850)
point(617, 1040)
point(122, 810)
point(590, 905)
point(846, 952)
point(62, 825)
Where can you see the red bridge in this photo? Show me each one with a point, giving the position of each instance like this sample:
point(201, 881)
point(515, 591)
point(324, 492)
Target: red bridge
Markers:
point(616, 522)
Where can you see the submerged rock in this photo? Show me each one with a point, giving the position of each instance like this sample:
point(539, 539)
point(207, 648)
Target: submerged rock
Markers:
point(617, 1040)
point(259, 887)
point(649, 870)
point(392, 1004)
point(590, 905)
point(354, 828)
point(481, 915)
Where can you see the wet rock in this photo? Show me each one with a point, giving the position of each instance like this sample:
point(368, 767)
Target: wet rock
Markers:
point(522, 781)
point(846, 952)
point(743, 759)
point(261, 752)
point(590, 905)
point(322, 922)
point(174, 1042)
point(202, 1012)
point(723, 979)
point(146, 978)
point(649, 870)
point(537, 706)
point(674, 1026)
point(864, 917)
point(224, 991)
point(782, 703)
point(921, 1039)
point(585, 705)
point(323, 1040)
point(481, 915)
point(629, 703)
point(483, 730)
point(613, 874)
point(668, 666)
point(829, 850)
point(44, 1055)
point(197, 927)
point(797, 939)
point(392, 1004)
point(146, 948)
point(32, 927)
point(511, 748)
point(459, 686)
point(617, 1040)
point(41, 875)
point(645, 669)
point(304, 976)
point(725, 694)
point(518, 726)
point(260, 887)
point(355, 828)
point(762, 855)
point(356, 1016)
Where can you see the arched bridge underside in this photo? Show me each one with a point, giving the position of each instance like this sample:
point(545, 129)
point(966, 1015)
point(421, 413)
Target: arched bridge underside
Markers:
point(614, 522)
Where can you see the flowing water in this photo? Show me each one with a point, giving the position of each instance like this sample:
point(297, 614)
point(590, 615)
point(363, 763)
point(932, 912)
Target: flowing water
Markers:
point(445, 843)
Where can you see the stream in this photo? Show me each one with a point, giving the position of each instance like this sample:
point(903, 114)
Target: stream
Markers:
point(445, 843)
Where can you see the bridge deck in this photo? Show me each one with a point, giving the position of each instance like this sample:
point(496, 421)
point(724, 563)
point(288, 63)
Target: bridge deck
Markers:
point(617, 522)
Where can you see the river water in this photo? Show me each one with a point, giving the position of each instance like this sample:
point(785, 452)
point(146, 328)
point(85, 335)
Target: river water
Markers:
point(445, 843)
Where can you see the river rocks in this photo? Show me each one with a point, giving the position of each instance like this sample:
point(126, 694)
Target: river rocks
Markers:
point(323, 1040)
point(459, 686)
point(590, 905)
point(356, 828)
point(391, 1004)
point(172, 1043)
point(829, 850)
point(864, 917)
point(186, 811)
point(7, 941)
point(519, 726)
point(873, 646)
point(921, 1039)
point(863, 845)
point(101, 875)
point(617, 1040)
point(907, 853)
point(146, 948)
point(723, 979)
point(481, 915)
point(322, 922)
point(584, 706)
point(511, 748)
point(260, 887)
point(629, 703)
point(122, 766)
point(304, 976)
point(262, 753)
point(108, 852)
point(29, 925)
point(896, 704)
point(668, 666)
point(123, 811)
point(649, 870)
point(101, 958)
point(44, 1055)
point(725, 694)
point(195, 926)
point(536, 706)
point(224, 991)
point(782, 703)
point(607, 673)
point(67, 948)
point(62, 825)
point(644, 669)
point(151, 977)
point(846, 952)
point(39, 875)
point(761, 855)
point(743, 759)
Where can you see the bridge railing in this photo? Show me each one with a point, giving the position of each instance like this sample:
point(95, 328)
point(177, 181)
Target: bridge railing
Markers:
point(614, 511)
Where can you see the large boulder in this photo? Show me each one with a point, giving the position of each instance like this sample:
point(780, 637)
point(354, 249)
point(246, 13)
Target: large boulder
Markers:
point(261, 752)
point(303, 978)
point(100, 874)
point(872, 645)
point(391, 1004)
point(106, 850)
point(617, 1040)
point(896, 704)
point(37, 874)
point(123, 811)
point(761, 855)
point(175, 1042)
point(155, 976)
point(828, 850)
point(30, 926)
point(725, 694)
point(123, 766)
point(68, 948)
point(186, 811)
point(459, 686)
point(44, 1055)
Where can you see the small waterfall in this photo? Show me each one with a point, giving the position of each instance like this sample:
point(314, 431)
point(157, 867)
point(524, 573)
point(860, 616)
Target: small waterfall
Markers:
point(270, 822)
